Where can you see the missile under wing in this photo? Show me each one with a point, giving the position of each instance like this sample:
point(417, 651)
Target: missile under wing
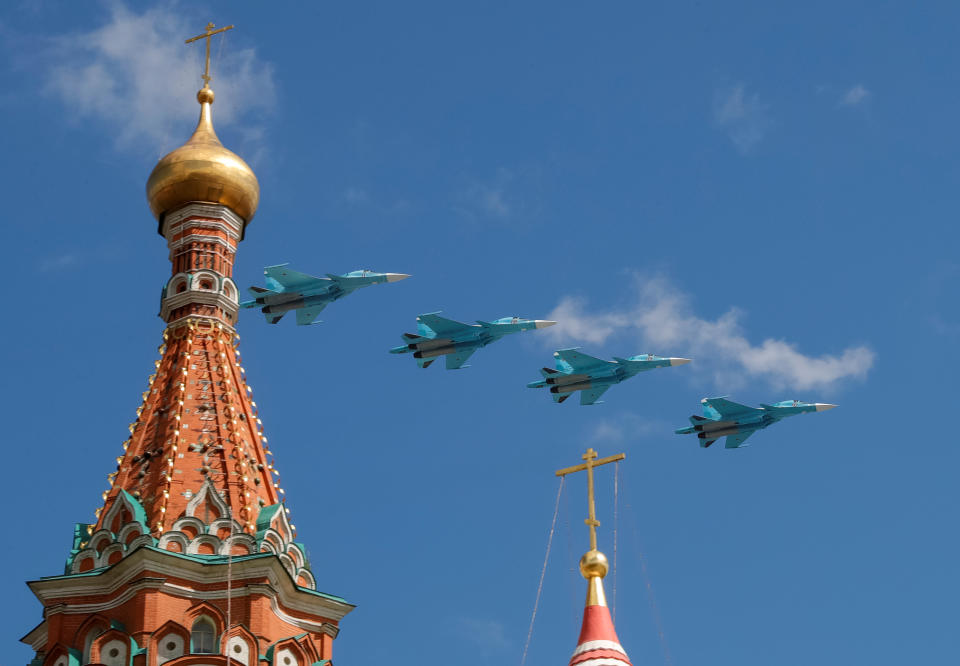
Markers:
point(288, 290)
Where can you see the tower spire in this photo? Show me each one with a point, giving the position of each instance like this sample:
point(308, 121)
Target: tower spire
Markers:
point(598, 644)
point(192, 550)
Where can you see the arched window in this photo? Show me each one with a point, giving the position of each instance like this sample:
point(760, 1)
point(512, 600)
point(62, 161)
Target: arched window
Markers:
point(202, 637)
point(88, 642)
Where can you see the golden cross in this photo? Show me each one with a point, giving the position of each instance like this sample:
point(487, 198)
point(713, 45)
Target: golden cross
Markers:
point(591, 462)
point(207, 35)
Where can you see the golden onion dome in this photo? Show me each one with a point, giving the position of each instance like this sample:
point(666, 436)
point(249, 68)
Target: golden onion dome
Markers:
point(203, 170)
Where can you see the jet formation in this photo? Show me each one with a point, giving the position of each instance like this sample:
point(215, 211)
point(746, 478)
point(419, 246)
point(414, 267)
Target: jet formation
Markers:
point(438, 336)
point(736, 422)
point(593, 376)
point(289, 290)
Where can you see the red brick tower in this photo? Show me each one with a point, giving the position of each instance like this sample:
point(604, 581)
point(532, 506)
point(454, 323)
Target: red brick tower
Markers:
point(192, 560)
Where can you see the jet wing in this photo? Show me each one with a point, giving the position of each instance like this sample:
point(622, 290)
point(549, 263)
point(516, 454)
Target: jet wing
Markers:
point(590, 396)
point(736, 441)
point(286, 279)
point(456, 360)
point(306, 316)
point(441, 326)
point(578, 362)
point(727, 408)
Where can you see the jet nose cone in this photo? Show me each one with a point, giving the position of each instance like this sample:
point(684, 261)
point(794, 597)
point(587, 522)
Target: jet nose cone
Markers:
point(823, 406)
point(396, 277)
point(543, 323)
point(679, 361)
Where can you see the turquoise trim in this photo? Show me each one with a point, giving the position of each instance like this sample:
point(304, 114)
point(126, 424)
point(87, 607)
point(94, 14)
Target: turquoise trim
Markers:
point(81, 530)
point(303, 551)
point(139, 514)
point(73, 658)
point(202, 559)
point(79, 534)
point(134, 648)
point(118, 625)
point(264, 518)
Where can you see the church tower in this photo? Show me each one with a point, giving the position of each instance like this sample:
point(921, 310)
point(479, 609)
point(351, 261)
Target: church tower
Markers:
point(192, 560)
point(598, 644)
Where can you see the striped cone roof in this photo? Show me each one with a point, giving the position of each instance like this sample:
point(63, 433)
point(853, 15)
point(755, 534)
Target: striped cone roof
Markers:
point(598, 644)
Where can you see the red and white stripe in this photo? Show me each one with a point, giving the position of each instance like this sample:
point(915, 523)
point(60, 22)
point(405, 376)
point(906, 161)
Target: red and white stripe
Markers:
point(598, 644)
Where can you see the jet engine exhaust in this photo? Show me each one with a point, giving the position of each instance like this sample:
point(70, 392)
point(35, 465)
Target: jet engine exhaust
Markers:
point(716, 434)
point(569, 388)
point(439, 351)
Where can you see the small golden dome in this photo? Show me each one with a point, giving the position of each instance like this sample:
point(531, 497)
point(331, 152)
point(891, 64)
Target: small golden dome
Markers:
point(594, 564)
point(203, 170)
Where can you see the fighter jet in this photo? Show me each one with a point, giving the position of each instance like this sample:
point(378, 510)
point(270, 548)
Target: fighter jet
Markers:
point(289, 290)
point(439, 336)
point(593, 376)
point(736, 422)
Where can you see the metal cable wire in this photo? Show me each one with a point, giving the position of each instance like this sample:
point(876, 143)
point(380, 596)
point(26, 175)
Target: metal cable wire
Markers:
point(229, 583)
point(543, 572)
point(651, 598)
point(616, 496)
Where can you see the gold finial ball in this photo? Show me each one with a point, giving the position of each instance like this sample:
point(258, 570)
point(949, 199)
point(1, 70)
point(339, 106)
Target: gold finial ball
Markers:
point(205, 95)
point(594, 564)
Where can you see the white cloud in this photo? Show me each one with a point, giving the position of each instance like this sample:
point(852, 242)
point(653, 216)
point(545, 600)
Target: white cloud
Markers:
point(626, 426)
point(662, 318)
point(490, 635)
point(135, 74)
point(744, 117)
point(488, 199)
point(855, 95)
point(59, 262)
point(509, 195)
point(607, 431)
point(356, 195)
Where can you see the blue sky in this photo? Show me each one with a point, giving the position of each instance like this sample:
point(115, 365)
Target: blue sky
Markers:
point(768, 189)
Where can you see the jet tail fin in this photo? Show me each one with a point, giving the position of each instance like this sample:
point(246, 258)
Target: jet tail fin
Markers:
point(273, 317)
point(546, 372)
point(259, 290)
point(704, 443)
point(411, 336)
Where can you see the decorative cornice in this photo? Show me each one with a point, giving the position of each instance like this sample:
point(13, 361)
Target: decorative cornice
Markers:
point(149, 560)
point(209, 214)
point(37, 637)
point(191, 297)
